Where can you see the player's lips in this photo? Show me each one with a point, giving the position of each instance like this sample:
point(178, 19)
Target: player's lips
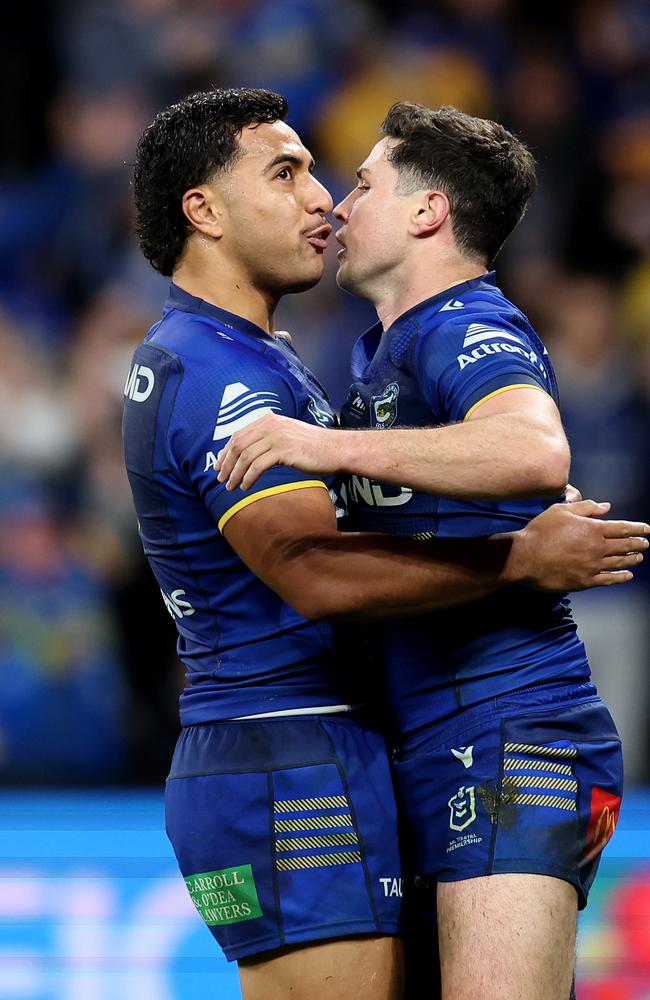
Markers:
point(338, 238)
point(318, 237)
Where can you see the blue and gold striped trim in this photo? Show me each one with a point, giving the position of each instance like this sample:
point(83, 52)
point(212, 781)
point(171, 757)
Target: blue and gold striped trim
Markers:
point(535, 777)
point(272, 491)
point(498, 392)
point(320, 835)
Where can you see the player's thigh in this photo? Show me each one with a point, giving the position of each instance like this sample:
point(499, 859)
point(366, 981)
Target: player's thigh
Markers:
point(507, 937)
point(355, 969)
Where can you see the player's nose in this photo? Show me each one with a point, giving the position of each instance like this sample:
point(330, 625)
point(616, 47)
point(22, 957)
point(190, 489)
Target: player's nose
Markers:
point(320, 201)
point(342, 210)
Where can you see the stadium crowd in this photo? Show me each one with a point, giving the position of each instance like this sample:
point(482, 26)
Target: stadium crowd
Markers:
point(86, 649)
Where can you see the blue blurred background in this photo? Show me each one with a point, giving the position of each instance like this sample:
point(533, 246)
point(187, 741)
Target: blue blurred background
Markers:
point(89, 675)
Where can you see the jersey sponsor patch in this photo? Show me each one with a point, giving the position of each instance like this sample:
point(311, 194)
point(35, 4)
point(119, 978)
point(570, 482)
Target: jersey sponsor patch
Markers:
point(227, 896)
point(605, 809)
point(139, 384)
point(485, 350)
point(477, 332)
point(240, 406)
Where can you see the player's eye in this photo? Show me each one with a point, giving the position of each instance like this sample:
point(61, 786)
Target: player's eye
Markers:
point(285, 174)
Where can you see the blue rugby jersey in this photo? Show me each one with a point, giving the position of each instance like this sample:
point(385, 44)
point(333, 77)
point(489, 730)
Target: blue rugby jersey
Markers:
point(200, 374)
point(435, 365)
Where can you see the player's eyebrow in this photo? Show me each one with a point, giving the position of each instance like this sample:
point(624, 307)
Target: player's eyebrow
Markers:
point(298, 161)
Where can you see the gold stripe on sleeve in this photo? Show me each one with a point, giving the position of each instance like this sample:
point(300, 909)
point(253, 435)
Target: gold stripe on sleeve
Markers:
point(271, 492)
point(497, 392)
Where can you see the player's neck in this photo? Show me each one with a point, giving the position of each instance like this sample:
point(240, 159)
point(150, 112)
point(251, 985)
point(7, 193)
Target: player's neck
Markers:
point(420, 283)
point(227, 290)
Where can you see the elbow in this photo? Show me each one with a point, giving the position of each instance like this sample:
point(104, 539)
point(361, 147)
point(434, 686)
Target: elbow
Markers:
point(324, 600)
point(549, 467)
point(309, 606)
point(321, 603)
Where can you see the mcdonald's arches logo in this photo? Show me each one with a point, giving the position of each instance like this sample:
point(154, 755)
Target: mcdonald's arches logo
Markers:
point(605, 808)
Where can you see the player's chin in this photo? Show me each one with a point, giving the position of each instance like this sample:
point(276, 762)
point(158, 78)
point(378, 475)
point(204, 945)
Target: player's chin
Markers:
point(304, 278)
point(345, 278)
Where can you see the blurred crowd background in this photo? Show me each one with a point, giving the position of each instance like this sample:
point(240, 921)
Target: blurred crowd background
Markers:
point(88, 675)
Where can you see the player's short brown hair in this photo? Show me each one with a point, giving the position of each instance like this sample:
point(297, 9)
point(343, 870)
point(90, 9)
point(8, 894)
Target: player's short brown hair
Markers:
point(487, 173)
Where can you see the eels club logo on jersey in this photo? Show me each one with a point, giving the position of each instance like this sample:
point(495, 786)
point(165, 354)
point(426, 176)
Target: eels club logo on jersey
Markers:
point(383, 407)
point(321, 416)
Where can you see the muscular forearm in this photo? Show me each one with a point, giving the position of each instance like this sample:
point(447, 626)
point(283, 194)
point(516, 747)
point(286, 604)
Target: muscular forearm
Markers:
point(324, 573)
point(376, 576)
point(495, 458)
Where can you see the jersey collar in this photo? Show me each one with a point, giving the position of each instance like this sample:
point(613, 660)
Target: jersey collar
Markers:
point(365, 348)
point(488, 279)
point(182, 300)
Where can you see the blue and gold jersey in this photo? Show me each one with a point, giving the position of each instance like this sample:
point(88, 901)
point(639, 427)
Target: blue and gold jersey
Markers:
point(435, 365)
point(201, 374)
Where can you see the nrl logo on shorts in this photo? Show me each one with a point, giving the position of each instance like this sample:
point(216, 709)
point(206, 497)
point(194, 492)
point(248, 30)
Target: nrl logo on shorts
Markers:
point(383, 407)
point(462, 806)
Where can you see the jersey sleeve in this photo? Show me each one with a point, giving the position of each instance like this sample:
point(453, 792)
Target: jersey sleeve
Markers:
point(460, 366)
point(212, 403)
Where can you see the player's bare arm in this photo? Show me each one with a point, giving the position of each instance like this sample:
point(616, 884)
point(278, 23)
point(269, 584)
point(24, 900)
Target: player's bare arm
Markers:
point(292, 544)
point(512, 445)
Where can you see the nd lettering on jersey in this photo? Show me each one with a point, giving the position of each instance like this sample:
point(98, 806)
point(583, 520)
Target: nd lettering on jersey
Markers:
point(359, 489)
point(139, 384)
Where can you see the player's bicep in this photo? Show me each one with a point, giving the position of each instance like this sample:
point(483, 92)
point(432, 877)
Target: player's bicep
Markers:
point(273, 533)
point(527, 401)
point(208, 410)
point(461, 373)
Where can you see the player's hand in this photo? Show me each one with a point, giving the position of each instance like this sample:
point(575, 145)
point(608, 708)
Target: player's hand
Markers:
point(275, 440)
point(572, 494)
point(569, 547)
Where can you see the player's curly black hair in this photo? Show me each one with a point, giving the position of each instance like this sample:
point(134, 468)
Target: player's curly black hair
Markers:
point(185, 145)
point(487, 173)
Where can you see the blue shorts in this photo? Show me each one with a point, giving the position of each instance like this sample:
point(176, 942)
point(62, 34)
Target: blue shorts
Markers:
point(285, 830)
point(530, 782)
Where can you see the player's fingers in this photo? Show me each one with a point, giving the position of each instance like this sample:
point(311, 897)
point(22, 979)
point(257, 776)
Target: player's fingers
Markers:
point(589, 508)
point(619, 546)
point(232, 453)
point(572, 494)
point(627, 561)
point(226, 460)
point(611, 579)
point(625, 529)
point(251, 454)
point(256, 468)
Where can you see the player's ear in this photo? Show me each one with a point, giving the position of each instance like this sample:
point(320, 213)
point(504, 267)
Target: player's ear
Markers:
point(430, 212)
point(203, 210)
